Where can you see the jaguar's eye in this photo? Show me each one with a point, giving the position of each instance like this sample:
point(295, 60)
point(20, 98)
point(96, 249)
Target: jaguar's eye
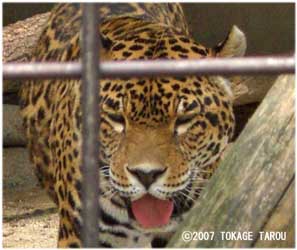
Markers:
point(117, 121)
point(116, 118)
point(183, 123)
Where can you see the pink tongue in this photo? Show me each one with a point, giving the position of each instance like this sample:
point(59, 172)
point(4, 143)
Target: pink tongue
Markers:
point(152, 212)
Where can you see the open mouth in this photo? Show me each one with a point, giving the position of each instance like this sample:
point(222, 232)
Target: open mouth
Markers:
point(151, 212)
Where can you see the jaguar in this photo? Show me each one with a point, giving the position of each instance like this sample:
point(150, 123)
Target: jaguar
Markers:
point(161, 137)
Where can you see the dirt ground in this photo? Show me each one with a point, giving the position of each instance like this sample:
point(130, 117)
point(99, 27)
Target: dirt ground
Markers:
point(30, 219)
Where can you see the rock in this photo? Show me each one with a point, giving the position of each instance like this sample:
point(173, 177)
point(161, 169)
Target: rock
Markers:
point(13, 132)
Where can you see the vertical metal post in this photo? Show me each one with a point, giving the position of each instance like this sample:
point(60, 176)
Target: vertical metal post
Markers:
point(90, 125)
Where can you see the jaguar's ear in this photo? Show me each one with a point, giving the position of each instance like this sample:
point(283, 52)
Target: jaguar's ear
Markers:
point(106, 45)
point(234, 45)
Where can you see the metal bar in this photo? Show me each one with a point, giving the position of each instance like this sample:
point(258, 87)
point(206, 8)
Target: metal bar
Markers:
point(90, 126)
point(42, 70)
point(112, 69)
point(214, 66)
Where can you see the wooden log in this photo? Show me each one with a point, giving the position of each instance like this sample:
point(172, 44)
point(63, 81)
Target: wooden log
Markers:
point(282, 220)
point(13, 132)
point(253, 177)
point(257, 88)
point(19, 39)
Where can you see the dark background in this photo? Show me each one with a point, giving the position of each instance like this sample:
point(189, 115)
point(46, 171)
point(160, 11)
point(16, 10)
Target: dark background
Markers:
point(269, 27)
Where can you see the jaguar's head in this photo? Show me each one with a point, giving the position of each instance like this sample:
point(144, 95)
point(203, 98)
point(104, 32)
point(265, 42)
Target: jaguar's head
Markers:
point(161, 137)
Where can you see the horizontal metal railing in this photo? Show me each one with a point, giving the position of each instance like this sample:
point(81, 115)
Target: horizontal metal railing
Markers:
point(137, 68)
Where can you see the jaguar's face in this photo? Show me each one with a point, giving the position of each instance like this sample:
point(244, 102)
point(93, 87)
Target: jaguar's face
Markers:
point(162, 136)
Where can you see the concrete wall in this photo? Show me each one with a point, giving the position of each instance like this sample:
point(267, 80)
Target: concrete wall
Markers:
point(269, 27)
point(13, 12)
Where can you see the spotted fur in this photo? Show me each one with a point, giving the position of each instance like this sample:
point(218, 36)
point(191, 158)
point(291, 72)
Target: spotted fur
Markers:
point(162, 135)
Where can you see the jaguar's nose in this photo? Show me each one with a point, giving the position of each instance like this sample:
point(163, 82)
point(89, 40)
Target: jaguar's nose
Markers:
point(147, 178)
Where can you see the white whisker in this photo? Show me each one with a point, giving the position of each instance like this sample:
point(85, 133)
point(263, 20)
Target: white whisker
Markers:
point(187, 196)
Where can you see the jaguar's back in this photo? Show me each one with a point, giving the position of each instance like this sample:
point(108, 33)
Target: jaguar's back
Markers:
point(161, 137)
